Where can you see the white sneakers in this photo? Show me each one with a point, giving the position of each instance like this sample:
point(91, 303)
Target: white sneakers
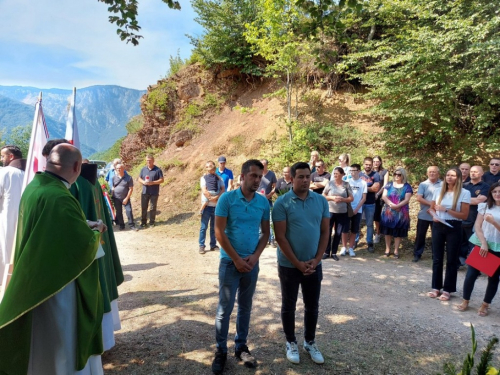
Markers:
point(292, 352)
point(313, 350)
point(376, 239)
point(343, 251)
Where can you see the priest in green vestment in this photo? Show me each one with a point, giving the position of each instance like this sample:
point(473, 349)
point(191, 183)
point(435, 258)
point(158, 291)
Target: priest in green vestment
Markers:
point(89, 194)
point(54, 265)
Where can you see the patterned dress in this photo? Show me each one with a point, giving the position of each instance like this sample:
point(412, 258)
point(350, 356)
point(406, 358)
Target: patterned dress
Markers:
point(396, 223)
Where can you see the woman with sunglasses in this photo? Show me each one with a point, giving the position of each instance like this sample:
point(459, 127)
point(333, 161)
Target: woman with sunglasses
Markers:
point(384, 179)
point(487, 236)
point(395, 217)
point(338, 193)
point(450, 204)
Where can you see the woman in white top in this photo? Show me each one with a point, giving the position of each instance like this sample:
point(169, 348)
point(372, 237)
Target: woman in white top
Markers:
point(450, 204)
point(487, 236)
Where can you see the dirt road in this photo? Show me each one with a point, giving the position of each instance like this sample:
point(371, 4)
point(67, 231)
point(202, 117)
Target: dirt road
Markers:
point(375, 317)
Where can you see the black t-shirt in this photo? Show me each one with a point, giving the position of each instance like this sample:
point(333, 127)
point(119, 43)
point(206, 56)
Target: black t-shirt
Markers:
point(282, 186)
point(154, 175)
point(315, 177)
point(370, 179)
point(491, 178)
point(481, 188)
point(212, 182)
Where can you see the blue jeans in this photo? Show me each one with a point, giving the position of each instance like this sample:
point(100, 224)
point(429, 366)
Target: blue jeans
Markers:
point(290, 280)
point(369, 210)
point(208, 215)
point(230, 282)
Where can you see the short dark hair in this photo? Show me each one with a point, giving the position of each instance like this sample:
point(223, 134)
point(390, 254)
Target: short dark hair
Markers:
point(356, 166)
point(51, 144)
point(368, 158)
point(340, 170)
point(299, 165)
point(320, 161)
point(245, 168)
point(14, 150)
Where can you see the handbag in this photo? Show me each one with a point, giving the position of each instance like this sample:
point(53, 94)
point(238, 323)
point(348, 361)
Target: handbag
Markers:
point(350, 211)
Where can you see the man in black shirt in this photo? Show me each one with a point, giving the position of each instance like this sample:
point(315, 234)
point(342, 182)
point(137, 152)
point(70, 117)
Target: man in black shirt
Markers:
point(150, 177)
point(121, 191)
point(320, 178)
point(493, 175)
point(478, 192)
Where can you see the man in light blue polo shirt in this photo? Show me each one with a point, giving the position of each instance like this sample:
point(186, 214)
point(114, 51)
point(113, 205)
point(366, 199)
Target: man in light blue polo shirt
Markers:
point(225, 174)
point(238, 216)
point(301, 222)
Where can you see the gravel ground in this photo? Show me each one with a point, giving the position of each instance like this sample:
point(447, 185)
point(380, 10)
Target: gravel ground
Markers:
point(375, 317)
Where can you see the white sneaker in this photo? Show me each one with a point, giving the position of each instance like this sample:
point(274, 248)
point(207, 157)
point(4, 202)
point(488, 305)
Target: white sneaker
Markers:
point(351, 252)
point(313, 350)
point(376, 239)
point(292, 352)
point(342, 251)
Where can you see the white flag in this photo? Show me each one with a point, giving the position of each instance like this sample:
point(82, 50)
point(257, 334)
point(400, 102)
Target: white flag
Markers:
point(71, 128)
point(39, 135)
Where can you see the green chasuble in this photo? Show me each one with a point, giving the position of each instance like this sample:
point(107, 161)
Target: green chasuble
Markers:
point(83, 191)
point(54, 247)
point(109, 243)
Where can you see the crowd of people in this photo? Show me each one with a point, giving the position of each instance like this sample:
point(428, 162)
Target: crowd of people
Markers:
point(462, 211)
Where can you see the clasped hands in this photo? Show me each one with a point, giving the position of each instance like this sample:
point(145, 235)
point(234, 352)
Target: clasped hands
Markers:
point(308, 267)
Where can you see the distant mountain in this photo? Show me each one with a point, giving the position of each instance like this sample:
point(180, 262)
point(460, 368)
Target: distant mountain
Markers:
point(101, 112)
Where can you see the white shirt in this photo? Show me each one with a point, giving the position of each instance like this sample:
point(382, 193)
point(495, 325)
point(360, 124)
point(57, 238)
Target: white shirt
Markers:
point(448, 201)
point(358, 188)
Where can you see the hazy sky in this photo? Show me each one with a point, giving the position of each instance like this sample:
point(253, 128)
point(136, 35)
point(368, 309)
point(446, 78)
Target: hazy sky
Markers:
point(66, 43)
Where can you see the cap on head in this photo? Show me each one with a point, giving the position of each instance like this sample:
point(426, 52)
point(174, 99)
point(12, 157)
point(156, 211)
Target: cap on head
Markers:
point(222, 159)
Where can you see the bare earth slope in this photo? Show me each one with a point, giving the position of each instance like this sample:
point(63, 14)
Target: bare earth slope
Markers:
point(375, 317)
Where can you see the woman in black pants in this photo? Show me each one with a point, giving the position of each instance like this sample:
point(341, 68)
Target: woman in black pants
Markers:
point(487, 236)
point(451, 205)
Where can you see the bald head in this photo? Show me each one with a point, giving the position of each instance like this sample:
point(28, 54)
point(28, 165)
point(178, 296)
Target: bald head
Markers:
point(65, 161)
point(476, 173)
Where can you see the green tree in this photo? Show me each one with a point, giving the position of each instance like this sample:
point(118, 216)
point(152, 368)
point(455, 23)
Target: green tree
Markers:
point(176, 63)
point(274, 35)
point(433, 69)
point(20, 136)
point(126, 18)
point(223, 44)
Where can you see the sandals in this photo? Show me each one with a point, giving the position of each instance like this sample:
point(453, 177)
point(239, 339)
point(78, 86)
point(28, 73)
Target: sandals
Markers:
point(434, 294)
point(445, 296)
point(396, 256)
point(387, 255)
point(464, 306)
point(483, 310)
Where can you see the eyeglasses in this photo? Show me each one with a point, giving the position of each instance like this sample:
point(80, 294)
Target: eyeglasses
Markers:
point(355, 170)
point(397, 174)
point(495, 164)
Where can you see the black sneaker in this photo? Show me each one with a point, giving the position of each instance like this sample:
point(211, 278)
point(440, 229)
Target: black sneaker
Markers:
point(370, 248)
point(415, 259)
point(215, 248)
point(335, 257)
point(243, 354)
point(219, 362)
point(325, 256)
point(143, 226)
point(152, 225)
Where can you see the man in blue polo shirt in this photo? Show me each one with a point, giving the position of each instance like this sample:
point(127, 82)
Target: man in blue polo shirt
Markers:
point(238, 216)
point(225, 174)
point(301, 222)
